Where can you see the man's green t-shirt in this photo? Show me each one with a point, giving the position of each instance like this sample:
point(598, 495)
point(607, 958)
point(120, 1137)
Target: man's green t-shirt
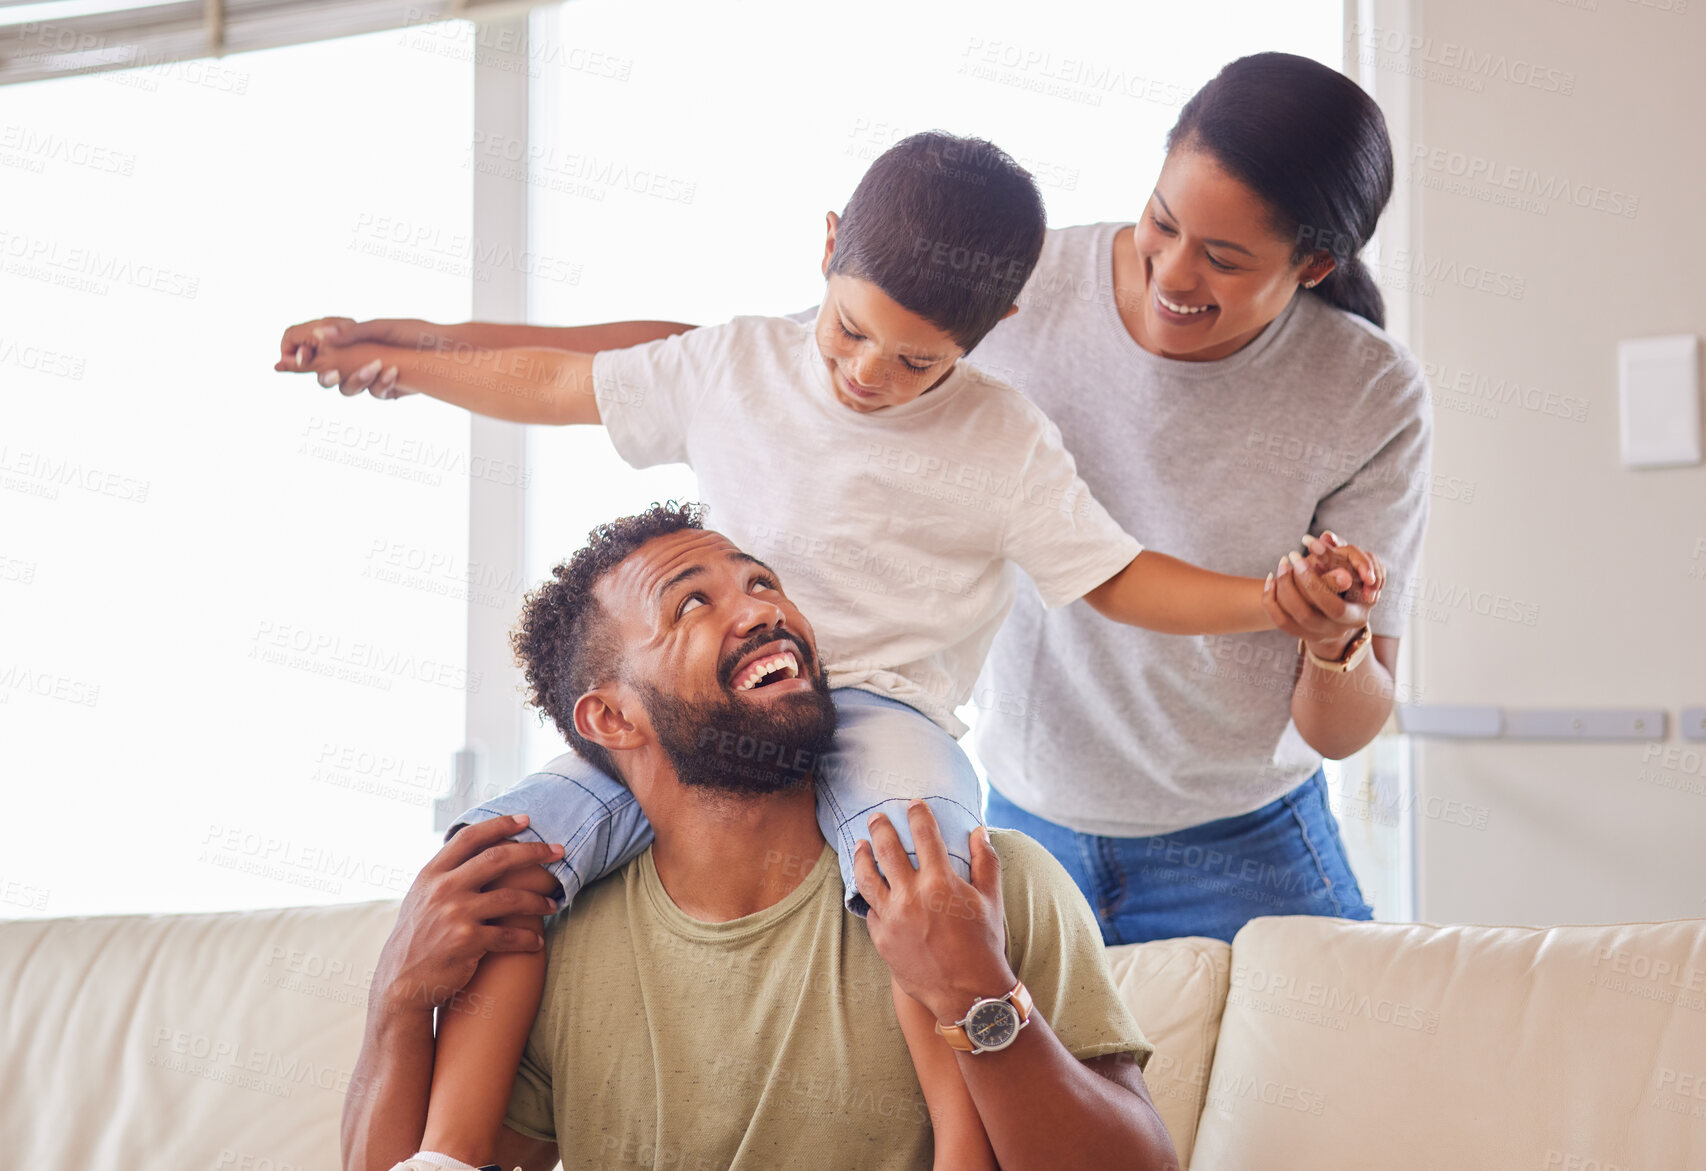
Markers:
point(771, 1040)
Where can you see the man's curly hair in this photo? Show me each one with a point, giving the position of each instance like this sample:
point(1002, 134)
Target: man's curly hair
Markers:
point(563, 640)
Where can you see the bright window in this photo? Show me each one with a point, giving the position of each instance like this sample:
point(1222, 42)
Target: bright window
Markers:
point(231, 630)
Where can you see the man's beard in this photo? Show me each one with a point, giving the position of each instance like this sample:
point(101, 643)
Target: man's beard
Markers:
point(745, 749)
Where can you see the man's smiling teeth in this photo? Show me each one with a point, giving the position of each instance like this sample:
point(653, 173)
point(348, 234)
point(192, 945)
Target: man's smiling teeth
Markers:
point(1182, 308)
point(782, 662)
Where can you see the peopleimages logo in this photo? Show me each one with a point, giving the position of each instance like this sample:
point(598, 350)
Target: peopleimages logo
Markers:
point(1522, 180)
point(25, 356)
point(1225, 1093)
point(18, 679)
point(1279, 986)
point(1435, 600)
point(37, 473)
point(89, 270)
point(1482, 394)
point(371, 664)
point(405, 456)
point(1453, 61)
point(1075, 79)
point(46, 146)
point(575, 173)
point(426, 245)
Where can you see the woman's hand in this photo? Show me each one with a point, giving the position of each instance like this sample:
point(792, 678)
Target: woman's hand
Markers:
point(1324, 599)
point(304, 348)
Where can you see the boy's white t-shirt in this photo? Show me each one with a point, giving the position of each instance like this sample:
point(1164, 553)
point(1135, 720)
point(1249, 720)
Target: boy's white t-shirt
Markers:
point(895, 532)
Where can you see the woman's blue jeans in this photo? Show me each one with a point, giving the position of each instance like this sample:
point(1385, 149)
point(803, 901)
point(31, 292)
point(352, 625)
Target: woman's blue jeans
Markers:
point(1285, 858)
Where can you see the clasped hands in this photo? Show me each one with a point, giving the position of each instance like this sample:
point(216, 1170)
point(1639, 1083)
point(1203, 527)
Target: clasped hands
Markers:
point(322, 347)
point(1324, 598)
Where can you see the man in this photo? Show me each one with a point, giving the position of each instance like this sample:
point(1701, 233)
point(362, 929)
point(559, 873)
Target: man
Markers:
point(714, 1003)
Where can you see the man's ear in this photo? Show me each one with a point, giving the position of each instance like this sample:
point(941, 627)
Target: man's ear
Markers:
point(599, 716)
point(832, 220)
point(1011, 309)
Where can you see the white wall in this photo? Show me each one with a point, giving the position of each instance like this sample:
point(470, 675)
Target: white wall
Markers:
point(1600, 572)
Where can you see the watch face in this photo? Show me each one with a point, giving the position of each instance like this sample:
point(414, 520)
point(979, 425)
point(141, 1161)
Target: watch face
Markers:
point(993, 1024)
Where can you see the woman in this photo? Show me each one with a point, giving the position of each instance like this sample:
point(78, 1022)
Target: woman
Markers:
point(1219, 372)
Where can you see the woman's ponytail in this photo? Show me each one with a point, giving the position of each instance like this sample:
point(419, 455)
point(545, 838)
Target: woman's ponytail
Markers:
point(1350, 286)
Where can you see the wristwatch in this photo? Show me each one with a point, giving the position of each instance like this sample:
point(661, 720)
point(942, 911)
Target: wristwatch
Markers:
point(992, 1023)
point(1353, 653)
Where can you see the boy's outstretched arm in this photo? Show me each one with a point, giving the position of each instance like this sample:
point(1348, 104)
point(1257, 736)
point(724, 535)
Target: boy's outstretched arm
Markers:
point(1164, 594)
point(522, 385)
point(300, 342)
point(587, 339)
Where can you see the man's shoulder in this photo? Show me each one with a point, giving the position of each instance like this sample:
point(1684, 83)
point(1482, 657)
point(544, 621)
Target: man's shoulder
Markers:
point(1028, 869)
point(1056, 948)
point(603, 904)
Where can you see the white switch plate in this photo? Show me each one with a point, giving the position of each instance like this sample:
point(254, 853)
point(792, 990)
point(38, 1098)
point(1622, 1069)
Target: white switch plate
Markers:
point(1658, 391)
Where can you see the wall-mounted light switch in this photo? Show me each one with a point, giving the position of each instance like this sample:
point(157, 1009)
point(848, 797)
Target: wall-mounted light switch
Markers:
point(1658, 389)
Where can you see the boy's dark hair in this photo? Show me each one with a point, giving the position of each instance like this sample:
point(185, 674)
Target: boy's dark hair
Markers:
point(949, 227)
point(563, 640)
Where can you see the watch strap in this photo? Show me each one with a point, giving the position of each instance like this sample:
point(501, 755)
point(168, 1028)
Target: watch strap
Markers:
point(1020, 998)
point(1348, 660)
point(955, 1036)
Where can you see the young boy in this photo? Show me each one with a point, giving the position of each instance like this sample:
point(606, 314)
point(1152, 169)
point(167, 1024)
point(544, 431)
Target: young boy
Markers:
point(891, 486)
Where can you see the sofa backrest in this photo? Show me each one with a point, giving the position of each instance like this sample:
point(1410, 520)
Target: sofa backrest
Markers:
point(1176, 988)
point(226, 1042)
point(1406, 1046)
point(183, 1042)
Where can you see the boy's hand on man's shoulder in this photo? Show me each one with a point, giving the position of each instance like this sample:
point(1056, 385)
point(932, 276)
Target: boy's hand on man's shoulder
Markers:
point(450, 917)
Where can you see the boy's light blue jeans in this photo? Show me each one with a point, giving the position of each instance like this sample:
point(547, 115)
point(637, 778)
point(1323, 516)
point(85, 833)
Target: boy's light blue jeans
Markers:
point(885, 753)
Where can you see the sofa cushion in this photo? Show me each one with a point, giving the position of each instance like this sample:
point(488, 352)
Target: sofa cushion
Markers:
point(215, 1042)
point(1358, 1045)
point(1176, 988)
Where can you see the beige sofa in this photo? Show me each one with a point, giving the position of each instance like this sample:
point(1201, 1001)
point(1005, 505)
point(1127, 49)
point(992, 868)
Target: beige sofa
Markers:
point(225, 1043)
